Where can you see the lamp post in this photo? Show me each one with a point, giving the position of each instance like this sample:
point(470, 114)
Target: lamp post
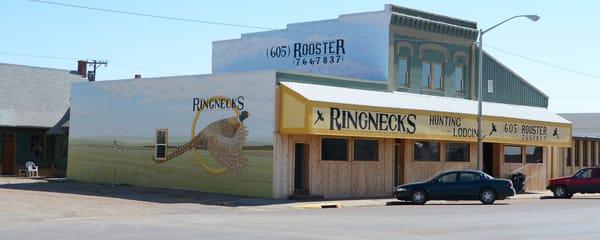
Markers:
point(480, 87)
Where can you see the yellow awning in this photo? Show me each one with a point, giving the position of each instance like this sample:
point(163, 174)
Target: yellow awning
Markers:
point(337, 111)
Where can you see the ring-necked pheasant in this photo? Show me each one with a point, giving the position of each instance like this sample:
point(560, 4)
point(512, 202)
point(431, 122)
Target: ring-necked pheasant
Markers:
point(224, 139)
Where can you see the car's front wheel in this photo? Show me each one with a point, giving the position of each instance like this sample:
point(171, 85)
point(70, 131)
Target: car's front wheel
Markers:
point(561, 192)
point(487, 196)
point(418, 197)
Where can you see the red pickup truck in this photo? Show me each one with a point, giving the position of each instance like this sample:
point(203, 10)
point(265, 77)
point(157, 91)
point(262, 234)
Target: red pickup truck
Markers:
point(586, 180)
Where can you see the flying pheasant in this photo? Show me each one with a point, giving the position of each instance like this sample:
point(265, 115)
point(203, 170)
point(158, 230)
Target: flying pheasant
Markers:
point(224, 140)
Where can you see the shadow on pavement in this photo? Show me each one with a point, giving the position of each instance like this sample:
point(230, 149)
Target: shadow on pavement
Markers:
point(457, 203)
point(580, 197)
point(156, 195)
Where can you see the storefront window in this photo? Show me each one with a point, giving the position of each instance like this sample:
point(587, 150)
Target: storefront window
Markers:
point(459, 80)
point(37, 147)
point(160, 148)
point(534, 154)
point(585, 153)
point(569, 158)
point(513, 154)
point(402, 73)
point(427, 151)
point(594, 154)
point(577, 154)
point(457, 152)
point(366, 150)
point(334, 149)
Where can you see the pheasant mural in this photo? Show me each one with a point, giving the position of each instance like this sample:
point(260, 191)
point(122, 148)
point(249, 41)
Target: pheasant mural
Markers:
point(223, 139)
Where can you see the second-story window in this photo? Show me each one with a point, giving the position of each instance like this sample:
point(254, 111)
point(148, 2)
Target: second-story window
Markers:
point(433, 75)
point(459, 79)
point(402, 72)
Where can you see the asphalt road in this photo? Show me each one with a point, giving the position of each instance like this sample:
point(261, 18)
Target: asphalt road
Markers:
point(52, 215)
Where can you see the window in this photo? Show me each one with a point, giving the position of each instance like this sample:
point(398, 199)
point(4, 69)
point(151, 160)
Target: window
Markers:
point(457, 152)
point(448, 178)
point(585, 159)
point(160, 148)
point(402, 73)
point(594, 155)
point(459, 80)
point(37, 147)
point(334, 149)
point(432, 75)
point(577, 154)
point(513, 154)
point(569, 159)
point(426, 74)
point(584, 173)
point(437, 76)
point(426, 151)
point(366, 150)
point(534, 154)
point(469, 177)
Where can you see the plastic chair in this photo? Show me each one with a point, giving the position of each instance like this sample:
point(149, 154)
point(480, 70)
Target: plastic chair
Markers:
point(32, 169)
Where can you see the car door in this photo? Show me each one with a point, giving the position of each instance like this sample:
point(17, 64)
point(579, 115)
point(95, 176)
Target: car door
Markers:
point(596, 181)
point(469, 185)
point(445, 187)
point(582, 182)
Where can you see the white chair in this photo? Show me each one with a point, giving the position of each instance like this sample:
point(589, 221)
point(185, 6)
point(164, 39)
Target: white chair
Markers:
point(32, 169)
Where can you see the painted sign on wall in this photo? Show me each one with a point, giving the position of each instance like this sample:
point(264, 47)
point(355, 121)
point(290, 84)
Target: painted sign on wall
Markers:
point(336, 119)
point(208, 133)
point(354, 46)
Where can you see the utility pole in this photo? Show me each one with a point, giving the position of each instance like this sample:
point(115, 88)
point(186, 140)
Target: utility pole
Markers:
point(96, 64)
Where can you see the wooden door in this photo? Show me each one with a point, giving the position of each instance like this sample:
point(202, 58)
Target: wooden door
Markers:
point(8, 154)
point(301, 168)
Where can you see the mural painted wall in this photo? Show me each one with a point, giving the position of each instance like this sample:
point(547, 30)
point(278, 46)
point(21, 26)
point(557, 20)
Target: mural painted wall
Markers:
point(210, 133)
point(354, 45)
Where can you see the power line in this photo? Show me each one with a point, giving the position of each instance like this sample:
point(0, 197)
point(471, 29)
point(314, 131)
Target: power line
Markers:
point(272, 29)
point(151, 15)
point(36, 56)
point(545, 63)
point(465, 42)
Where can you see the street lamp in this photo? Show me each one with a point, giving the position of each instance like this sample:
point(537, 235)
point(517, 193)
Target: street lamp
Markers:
point(480, 86)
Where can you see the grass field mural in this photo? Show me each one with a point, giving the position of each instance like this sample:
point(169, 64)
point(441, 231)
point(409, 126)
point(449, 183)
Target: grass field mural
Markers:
point(228, 148)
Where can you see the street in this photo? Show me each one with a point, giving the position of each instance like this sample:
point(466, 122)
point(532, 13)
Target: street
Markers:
point(40, 210)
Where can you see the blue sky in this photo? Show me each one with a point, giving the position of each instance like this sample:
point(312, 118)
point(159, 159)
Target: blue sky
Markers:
point(564, 36)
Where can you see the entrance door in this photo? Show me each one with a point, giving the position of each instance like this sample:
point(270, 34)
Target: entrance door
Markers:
point(301, 154)
point(8, 154)
point(398, 163)
point(488, 158)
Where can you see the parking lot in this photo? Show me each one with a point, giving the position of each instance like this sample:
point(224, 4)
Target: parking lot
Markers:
point(30, 209)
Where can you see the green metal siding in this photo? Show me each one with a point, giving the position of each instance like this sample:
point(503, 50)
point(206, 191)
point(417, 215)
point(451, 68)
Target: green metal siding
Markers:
point(509, 87)
point(301, 78)
point(415, 71)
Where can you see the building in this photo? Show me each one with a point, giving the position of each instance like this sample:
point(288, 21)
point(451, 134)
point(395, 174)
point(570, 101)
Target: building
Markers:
point(585, 148)
point(344, 107)
point(32, 101)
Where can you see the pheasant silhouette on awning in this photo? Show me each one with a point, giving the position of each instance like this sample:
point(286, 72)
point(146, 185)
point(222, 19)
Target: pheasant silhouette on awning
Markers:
point(224, 140)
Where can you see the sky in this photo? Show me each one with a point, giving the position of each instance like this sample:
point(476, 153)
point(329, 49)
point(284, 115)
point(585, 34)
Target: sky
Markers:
point(565, 36)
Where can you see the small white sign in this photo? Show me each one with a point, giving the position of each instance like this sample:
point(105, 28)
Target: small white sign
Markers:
point(490, 86)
